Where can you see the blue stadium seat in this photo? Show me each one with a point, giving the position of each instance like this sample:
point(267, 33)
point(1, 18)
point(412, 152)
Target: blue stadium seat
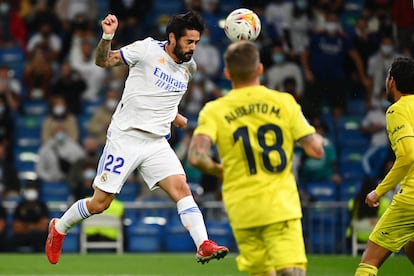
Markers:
point(356, 106)
point(351, 171)
point(54, 191)
point(321, 190)
point(321, 230)
point(29, 127)
point(351, 154)
point(25, 158)
point(348, 132)
point(350, 163)
point(352, 10)
point(177, 238)
point(14, 58)
point(35, 108)
point(348, 189)
point(144, 237)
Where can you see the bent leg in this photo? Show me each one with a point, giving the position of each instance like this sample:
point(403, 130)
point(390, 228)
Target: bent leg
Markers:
point(83, 209)
point(192, 219)
point(176, 187)
point(372, 259)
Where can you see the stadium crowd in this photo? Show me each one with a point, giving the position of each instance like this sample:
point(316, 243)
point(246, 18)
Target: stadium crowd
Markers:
point(55, 103)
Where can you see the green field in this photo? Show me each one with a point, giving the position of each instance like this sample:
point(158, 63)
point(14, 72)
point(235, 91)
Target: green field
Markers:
point(174, 265)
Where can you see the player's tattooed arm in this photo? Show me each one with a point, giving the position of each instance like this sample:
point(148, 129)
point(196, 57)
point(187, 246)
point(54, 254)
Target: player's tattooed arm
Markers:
point(313, 145)
point(105, 57)
point(199, 157)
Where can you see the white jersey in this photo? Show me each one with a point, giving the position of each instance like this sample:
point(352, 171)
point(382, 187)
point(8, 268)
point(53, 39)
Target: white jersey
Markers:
point(153, 89)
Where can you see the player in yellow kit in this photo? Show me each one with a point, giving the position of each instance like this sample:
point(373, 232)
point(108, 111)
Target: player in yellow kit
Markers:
point(394, 230)
point(255, 129)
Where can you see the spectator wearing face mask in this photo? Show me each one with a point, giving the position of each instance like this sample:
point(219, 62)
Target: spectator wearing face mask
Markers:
point(378, 65)
point(324, 63)
point(71, 85)
point(30, 221)
point(57, 155)
point(59, 117)
point(281, 69)
point(100, 120)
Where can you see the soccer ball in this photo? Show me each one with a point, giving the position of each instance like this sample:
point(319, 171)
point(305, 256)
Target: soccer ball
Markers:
point(242, 24)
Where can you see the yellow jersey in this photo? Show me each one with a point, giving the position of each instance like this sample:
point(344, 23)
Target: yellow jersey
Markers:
point(255, 129)
point(400, 124)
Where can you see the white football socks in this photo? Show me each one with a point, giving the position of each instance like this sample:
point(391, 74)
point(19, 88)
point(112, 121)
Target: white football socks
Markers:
point(192, 219)
point(75, 214)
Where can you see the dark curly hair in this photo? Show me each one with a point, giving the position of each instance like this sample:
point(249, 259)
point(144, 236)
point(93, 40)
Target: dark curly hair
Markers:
point(179, 23)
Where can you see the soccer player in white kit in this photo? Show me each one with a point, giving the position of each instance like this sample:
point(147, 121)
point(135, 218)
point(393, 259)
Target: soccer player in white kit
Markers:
point(159, 72)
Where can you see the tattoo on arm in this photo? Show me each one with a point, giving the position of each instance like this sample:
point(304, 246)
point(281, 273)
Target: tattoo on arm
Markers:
point(199, 155)
point(105, 57)
point(306, 139)
point(201, 148)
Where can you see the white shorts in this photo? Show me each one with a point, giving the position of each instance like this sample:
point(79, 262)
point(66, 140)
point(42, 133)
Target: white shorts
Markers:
point(127, 150)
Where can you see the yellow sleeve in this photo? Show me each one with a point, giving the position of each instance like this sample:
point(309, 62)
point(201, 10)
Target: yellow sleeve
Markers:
point(205, 124)
point(404, 158)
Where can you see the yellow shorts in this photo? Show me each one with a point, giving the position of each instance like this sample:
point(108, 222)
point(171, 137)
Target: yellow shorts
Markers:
point(395, 227)
point(271, 247)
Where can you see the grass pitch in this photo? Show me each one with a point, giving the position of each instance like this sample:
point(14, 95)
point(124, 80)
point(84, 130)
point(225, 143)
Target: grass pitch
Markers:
point(174, 265)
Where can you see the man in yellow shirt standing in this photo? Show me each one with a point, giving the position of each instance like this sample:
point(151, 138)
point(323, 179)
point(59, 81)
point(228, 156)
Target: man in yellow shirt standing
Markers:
point(255, 129)
point(394, 230)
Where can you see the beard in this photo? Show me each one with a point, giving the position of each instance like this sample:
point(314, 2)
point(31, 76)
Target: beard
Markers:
point(390, 97)
point(183, 56)
point(389, 94)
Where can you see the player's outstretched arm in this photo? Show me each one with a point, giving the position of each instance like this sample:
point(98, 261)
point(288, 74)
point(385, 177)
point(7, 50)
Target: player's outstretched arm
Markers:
point(313, 145)
point(105, 57)
point(198, 156)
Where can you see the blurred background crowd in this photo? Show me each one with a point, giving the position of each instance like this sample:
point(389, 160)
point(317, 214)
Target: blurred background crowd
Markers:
point(55, 103)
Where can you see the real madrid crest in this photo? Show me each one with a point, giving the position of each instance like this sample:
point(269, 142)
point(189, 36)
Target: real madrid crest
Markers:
point(104, 177)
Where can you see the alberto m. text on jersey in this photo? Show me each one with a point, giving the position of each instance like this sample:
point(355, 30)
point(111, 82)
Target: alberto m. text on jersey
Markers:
point(250, 109)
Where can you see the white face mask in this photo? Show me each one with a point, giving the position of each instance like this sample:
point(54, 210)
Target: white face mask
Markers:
point(331, 27)
point(111, 104)
point(387, 50)
point(4, 8)
point(60, 136)
point(89, 174)
point(30, 194)
point(59, 110)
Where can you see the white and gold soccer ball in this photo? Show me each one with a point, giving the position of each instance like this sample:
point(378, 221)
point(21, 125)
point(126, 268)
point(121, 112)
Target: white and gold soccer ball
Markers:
point(242, 24)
